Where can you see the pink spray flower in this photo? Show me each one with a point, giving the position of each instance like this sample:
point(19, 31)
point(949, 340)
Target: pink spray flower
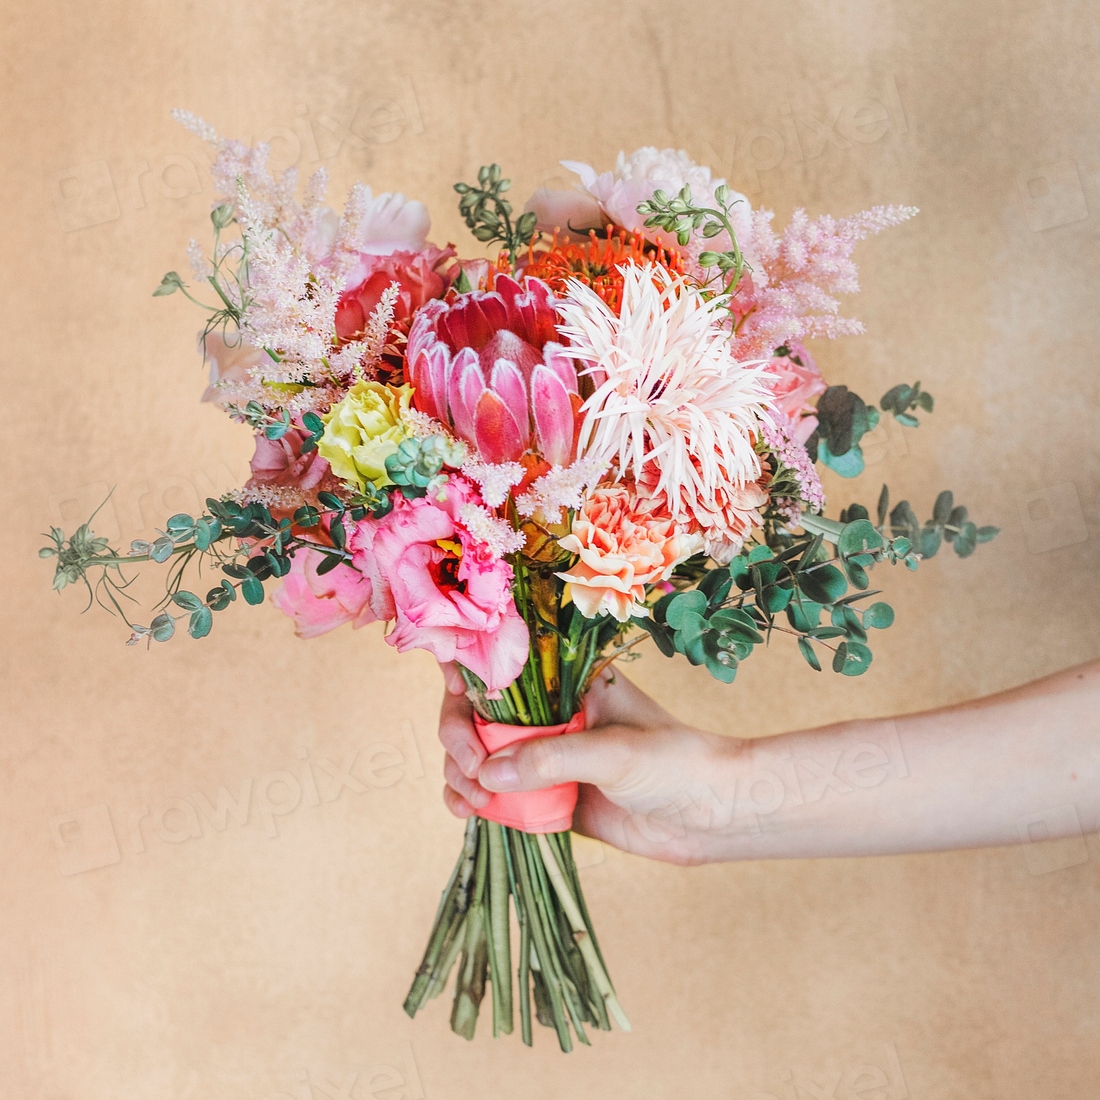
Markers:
point(318, 604)
point(449, 593)
point(488, 366)
point(281, 462)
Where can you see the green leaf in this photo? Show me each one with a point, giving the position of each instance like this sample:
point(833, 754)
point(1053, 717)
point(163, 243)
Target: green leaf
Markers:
point(217, 599)
point(930, 540)
point(161, 550)
point(849, 464)
point(252, 589)
point(856, 660)
point(222, 215)
point(896, 398)
point(803, 614)
point(856, 574)
point(925, 401)
point(941, 512)
point(329, 564)
point(859, 538)
point(760, 553)
point(162, 627)
point(462, 284)
point(907, 419)
point(722, 666)
point(181, 521)
point(337, 533)
point(737, 624)
point(187, 600)
point(847, 620)
point(715, 585)
point(682, 605)
point(879, 616)
point(807, 651)
point(200, 622)
point(823, 584)
point(883, 505)
point(331, 503)
point(984, 534)
point(168, 285)
point(661, 635)
point(966, 540)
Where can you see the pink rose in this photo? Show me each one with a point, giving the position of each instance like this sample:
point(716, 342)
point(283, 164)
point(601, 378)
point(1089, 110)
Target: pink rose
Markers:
point(318, 604)
point(281, 462)
point(417, 274)
point(623, 544)
point(449, 594)
point(798, 381)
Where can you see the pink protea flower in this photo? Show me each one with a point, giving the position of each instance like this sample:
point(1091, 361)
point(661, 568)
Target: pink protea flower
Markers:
point(623, 544)
point(318, 604)
point(448, 592)
point(488, 366)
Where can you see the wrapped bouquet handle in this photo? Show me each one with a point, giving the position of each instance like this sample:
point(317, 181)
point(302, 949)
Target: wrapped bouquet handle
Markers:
point(549, 810)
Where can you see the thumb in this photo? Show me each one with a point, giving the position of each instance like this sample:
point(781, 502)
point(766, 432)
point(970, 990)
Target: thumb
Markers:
point(601, 758)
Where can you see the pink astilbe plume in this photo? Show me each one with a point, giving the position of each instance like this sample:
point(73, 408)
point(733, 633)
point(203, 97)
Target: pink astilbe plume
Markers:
point(791, 295)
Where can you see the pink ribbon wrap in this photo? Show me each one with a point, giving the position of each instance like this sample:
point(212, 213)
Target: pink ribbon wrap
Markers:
point(547, 811)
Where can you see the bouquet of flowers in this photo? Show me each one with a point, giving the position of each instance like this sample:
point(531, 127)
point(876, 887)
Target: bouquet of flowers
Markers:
point(528, 464)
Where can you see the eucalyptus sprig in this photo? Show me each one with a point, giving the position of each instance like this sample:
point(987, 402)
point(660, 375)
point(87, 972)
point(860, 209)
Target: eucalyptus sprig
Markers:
point(733, 609)
point(489, 216)
point(681, 215)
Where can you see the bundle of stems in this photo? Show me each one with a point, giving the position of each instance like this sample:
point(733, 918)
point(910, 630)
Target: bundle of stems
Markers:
point(560, 966)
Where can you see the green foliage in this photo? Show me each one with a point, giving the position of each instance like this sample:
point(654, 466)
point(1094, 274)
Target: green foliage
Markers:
point(417, 464)
point(489, 216)
point(244, 541)
point(731, 610)
point(843, 419)
point(680, 215)
point(949, 523)
point(901, 400)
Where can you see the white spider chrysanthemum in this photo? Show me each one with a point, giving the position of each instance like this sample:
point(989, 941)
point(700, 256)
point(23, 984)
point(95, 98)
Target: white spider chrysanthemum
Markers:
point(672, 407)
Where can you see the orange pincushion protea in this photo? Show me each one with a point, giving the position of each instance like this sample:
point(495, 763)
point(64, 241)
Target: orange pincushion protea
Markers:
point(596, 261)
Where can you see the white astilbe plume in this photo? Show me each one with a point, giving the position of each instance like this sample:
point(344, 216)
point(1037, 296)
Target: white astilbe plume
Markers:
point(291, 309)
point(378, 331)
point(562, 487)
point(495, 479)
point(497, 534)
point(670, 395)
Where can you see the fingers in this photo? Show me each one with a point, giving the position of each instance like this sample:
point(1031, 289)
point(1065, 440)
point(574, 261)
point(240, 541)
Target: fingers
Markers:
point(469, 789)
point(456, 731)
point(457, 804)
point(601, 758)
point(615, 700)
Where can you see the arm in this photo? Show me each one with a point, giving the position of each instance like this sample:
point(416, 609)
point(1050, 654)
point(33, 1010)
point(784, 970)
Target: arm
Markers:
point(1024, 764)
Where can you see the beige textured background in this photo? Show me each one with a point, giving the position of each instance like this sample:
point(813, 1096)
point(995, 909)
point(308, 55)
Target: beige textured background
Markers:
point(142, 961)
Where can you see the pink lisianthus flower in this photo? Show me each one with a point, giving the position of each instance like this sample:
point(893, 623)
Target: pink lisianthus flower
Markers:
point(798, 379)
point(623, 544)
point(450, 595)
point(420, 276)
point(318, 604)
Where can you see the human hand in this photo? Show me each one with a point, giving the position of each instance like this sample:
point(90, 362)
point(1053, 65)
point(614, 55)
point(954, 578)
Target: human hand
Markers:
point(648, 783)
